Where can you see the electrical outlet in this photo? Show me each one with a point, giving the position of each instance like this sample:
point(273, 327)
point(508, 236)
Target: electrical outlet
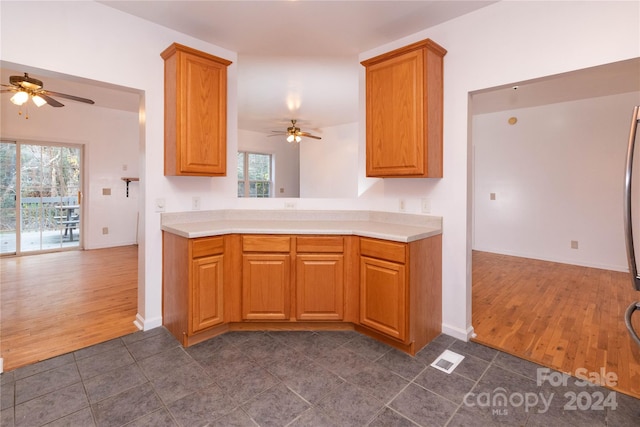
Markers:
point(425, 205)
point(106, 191)
point(105, 230)
point(125, 167)
point(492, 196)
point(401, 205)
point(160, 205)
point(289, 205)
point(574, 244)
point(195, 203)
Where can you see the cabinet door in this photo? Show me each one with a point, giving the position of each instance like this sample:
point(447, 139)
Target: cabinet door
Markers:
point(404, 96)
point(395, 114)
point(202, 108)
point(383, 297)
point(266, 286)
point(206, 302)
point(320, 287)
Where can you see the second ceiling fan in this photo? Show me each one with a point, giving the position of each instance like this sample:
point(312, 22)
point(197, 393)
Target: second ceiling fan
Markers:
point(26, 87)
point(294, 134)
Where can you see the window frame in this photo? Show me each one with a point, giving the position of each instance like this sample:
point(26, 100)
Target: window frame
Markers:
point(247, 182)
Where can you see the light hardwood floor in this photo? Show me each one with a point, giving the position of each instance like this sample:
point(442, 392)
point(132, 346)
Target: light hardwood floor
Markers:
point(562, 316)
point(60, 302)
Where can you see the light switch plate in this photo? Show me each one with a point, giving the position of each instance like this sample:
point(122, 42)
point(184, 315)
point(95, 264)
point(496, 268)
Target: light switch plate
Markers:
point(160, 205)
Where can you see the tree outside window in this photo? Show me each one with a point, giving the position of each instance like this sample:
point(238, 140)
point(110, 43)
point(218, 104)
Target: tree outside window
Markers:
point(254, 174)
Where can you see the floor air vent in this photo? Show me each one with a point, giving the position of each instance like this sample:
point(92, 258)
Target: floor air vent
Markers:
point(447, 361)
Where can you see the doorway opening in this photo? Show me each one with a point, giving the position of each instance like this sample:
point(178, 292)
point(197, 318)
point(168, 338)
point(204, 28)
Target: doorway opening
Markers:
point(549, 274)
point(41, 197)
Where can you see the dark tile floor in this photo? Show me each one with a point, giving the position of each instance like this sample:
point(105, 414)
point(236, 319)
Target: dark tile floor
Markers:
point(297, 379)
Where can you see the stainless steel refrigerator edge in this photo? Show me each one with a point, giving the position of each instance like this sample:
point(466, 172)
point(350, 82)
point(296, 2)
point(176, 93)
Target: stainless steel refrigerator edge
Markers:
point(628, 226)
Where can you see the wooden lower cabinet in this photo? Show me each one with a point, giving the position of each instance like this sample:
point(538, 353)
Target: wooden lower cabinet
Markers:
point(383, 297)
point(192, 285)
point(388, 290)
point(207, 300)
point(266, 286)
point(401, 291)
point(320, 274)
point(317, 278)
point(266, 277)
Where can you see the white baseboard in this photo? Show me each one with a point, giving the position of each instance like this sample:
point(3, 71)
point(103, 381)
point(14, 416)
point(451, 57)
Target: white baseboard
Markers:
point(457, 333)
point(139, 322)
point(623, 268)
point(147, 324)
point(1, 365)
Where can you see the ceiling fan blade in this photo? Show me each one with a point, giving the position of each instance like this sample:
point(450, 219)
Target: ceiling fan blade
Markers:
point(308, 135)
point(50, 100)
point(6, 90)
point(64, 95)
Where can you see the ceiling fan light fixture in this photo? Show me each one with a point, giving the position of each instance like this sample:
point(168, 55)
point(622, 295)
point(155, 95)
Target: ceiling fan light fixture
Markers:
point(290, 138)
point(20, 98)
point(38, 100)
point(298, 138)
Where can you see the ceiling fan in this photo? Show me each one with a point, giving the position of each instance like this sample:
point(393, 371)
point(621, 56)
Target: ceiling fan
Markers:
point(294, 133)
point(26, 87)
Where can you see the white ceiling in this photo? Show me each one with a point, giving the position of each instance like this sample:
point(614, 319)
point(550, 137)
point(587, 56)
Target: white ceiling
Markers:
point(299, 59)
point(298, 28)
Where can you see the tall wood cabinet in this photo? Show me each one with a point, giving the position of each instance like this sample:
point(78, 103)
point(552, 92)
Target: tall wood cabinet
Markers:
point(404, 96)
point(195, 112)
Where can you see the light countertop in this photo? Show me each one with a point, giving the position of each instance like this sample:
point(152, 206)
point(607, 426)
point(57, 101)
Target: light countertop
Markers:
point(381, 225)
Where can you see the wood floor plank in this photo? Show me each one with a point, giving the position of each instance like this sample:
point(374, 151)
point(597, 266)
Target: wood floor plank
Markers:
point(562, 316)
point(52, 304)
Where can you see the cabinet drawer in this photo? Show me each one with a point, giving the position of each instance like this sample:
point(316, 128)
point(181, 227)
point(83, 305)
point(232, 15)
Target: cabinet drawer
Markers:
point(383, 249)
point(207, 246)
point(320, 244)
point(266, 243)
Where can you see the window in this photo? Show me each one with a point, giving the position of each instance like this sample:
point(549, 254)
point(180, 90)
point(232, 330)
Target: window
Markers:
point(254, 174)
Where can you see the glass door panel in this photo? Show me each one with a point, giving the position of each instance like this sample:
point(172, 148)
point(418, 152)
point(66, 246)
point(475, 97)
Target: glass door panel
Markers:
point(39, 197)
point(49, 197)
point(8, 224)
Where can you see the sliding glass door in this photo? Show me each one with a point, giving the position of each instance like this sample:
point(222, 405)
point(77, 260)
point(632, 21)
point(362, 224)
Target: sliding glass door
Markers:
point(44, 181)
point(8, 199)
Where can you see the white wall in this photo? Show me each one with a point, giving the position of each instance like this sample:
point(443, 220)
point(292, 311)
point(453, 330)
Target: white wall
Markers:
point(505, 42)
point(325, 168)
point(110, 140)
point(97, 42)
point(509, 41)
point(286, 159)
point(558, 176)
point(329, 166)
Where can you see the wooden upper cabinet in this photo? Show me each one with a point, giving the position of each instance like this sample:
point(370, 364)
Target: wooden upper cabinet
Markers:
point(195, 112)
point(404, 92)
